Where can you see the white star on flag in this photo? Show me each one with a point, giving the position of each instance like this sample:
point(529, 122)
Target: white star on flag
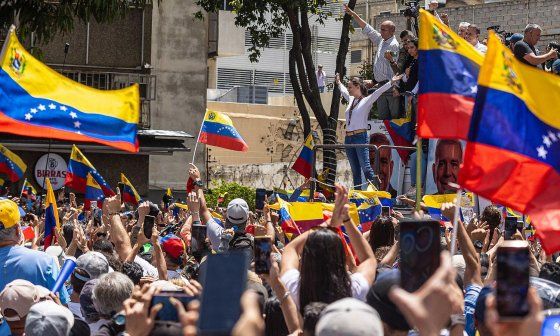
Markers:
point(63, 108)
point(52, 106)
point(33, 110)
point(28, 116)
point(474, 89)
point(77, 124)
point(546, 141)
point(552, 136)
point(73, 115)
point(542, 152)
point(41, 107)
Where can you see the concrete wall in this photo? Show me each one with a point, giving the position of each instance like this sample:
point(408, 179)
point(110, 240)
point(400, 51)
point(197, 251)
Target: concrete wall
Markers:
point(179, 53)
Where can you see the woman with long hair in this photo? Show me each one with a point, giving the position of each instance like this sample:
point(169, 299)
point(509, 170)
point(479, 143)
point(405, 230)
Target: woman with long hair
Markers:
point(322, 274)
point(357, 112)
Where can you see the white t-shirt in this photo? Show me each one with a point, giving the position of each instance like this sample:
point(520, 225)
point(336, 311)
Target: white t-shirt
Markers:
point(321, 75)
point(147, 268)
point(172, 274)
point(359, 284)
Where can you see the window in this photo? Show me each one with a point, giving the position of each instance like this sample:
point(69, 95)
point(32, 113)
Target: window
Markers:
point(356, 56)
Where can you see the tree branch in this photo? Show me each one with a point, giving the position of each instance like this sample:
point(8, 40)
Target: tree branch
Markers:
point(298, 95)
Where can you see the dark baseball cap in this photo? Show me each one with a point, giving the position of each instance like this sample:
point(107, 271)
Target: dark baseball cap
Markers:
point(378, 298)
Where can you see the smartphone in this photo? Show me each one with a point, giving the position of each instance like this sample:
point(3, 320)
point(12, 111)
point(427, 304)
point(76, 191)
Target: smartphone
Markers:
point(260, 195)
point(168, 311)
point(385, 211)
point(120, 185)
point(420, 249)
point(510, 226)
point(512, 282)
point(263, 248)
point(551, 323)
point(198, 236)
point(148, 227)
point(220, 305)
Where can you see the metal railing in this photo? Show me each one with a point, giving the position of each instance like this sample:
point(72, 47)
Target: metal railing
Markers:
point(375, 148)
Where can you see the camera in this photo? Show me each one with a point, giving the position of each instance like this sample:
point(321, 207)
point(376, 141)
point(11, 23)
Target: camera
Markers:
point(412, 10)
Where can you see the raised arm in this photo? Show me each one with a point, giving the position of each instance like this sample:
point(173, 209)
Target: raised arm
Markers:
point(372, 98)
point(343, 89)
point(117, 232)
point(361, 22)
point(292, 252)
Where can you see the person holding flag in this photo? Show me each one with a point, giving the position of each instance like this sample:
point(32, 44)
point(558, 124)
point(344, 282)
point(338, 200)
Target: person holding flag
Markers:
point(129, 193)
point(78, 169)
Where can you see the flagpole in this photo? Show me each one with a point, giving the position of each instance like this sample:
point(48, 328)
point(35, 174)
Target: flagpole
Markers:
point(418, 173)
point(23, 187)
point(197, 139)
point(456, 222)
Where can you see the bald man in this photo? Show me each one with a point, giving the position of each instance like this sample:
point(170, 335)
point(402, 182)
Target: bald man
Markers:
point(386, 42)
point(449, 156)
point(385, 162)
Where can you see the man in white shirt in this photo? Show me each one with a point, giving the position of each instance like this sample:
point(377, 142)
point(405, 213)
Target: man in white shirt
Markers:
point(472, 34)
point(321, 77)
point(385, 40)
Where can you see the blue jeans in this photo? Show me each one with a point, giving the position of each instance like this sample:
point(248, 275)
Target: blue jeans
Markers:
point(424, 161)
point(359, 158)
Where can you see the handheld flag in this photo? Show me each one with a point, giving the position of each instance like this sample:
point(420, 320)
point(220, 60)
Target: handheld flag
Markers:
point(303, 162)
point(513, 154)
point(286, 221)
point(11, 164)
point(93, 193)
point(28, 190)
point(78, 168)
point(401, 132)
point(51, 214)
point(448, 72)
point(39, 102)
point(217, 130)
point(129, 194)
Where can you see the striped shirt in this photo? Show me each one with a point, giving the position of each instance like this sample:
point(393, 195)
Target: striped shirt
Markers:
point(382, 70)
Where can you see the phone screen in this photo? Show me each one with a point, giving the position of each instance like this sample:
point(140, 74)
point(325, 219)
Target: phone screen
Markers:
point(512, 279)
point(259, 198)
point(385, 211)
point(510, 227)
point(168, 311)
point(263, 248)
point(420, 249)
point(148, 225)
point(220, 306)
point(551, 326)
point(198, 237)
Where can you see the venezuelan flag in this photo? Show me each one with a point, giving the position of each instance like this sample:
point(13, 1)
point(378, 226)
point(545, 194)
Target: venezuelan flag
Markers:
point(448, 72)
point(286, 221)
point(401, 132)
point(93, 193)
point(287, 194)
point(434, 202)
point(11, 164)
point(368, 213)
point(78, 168)
point(51, 214)
point(303, 162)
point(39, 102)
point(217, 130)
point(130, 195)
point(27, 186)
point(513, 153)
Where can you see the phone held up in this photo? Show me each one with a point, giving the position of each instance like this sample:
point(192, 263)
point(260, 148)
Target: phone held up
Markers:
point(263, 248)
point(512, 282)
point(148, 226)
point(168, 311)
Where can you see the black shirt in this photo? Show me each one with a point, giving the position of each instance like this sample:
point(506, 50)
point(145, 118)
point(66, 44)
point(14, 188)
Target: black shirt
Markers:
point(521, 49)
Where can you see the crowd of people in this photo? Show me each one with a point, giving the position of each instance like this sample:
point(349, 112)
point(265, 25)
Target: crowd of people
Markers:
point(319, 282)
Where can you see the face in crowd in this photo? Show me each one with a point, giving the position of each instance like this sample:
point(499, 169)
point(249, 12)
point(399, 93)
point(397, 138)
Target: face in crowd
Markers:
point(449, 156)
point(385, 162)
point(387, 30)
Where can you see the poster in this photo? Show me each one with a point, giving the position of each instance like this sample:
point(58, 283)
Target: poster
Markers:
point(444, 160)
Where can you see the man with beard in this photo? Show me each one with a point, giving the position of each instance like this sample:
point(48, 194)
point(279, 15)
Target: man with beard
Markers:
point(449, 156)
point(385, 162)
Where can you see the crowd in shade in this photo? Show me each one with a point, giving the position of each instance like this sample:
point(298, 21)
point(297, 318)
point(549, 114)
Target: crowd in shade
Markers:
point(115, 265)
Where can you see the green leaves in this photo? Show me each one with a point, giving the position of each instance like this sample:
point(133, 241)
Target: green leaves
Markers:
point(233, 190)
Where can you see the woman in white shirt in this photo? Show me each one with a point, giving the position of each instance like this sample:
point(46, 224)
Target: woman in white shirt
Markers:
point(359, 105)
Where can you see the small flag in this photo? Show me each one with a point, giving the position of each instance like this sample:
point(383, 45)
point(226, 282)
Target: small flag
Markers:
point(94, 193)
point(217, 130)
point(303, 162)
point(51, 214)
point(221, 198)
point(401, 132)
point(28, 232)
point(286, 221)
point(11, 164)
point(130, 195)
point(78, 168)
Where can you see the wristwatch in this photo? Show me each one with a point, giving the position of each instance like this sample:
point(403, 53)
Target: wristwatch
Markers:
point(457, 319)
point(478, 244)
point(199, 183)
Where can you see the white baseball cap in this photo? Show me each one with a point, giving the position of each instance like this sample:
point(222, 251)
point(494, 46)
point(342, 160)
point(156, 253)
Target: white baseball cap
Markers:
point(48, 318)
point(237, 211)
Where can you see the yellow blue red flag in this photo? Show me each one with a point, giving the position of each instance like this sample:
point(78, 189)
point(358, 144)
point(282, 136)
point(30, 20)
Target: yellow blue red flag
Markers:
point(513, 150)
point(37, 101)
point(78, 169)
point(129, 193)
point(51, 214)
point(217, 130)
point(11, 164)
point(303, 162)
point(93, 193)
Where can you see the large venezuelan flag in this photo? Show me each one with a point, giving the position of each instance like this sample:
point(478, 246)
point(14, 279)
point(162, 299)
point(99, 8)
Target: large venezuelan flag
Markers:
point(217, 130)
point(448, 72)
point(286, 221)
point(37, 101)
point(303, 162)
point(11, 164)
point(93, 193)
point(130, 195)
point(51, 214)
point(513, 154)
point(78, 168)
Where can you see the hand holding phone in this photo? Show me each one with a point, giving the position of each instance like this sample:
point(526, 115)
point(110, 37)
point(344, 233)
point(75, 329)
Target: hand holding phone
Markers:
point(168, 312)
point(512, 281)
point(263, 248)
point(148, 227)
point(510, 227)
